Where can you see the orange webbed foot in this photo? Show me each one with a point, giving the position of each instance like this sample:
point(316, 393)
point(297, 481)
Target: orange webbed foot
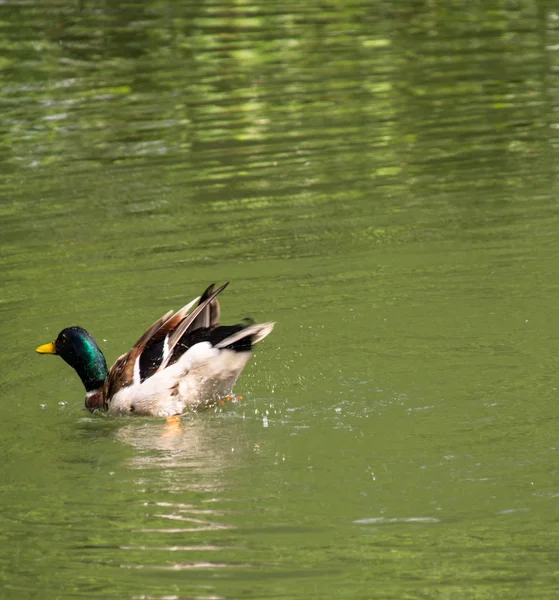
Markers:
point(172, 427)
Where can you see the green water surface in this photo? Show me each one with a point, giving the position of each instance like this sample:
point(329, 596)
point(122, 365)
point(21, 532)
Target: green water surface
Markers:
point(380, 179)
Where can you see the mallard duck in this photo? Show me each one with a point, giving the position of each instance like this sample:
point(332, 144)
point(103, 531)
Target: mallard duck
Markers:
point(184, 361)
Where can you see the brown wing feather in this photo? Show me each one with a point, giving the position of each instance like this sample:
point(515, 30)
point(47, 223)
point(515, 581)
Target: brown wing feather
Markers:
point(213, 311)
point(115, 380)
point(175, 319)
point(154, 351)
point(187, 322)
point(209, 317)
point(170, 324)
point(121, 374)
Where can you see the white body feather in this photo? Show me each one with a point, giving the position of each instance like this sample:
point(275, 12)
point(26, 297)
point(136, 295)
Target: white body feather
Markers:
point(199, 378)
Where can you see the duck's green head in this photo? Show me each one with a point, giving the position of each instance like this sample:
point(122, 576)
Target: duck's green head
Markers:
point(78, 348)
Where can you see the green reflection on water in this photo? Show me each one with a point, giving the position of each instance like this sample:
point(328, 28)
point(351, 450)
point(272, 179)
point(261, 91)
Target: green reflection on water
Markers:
point(381, 181)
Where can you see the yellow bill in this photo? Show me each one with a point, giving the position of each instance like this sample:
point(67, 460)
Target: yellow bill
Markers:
point(46, 349)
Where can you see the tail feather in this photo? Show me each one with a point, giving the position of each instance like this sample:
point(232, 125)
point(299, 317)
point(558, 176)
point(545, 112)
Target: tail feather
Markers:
point(256, 333)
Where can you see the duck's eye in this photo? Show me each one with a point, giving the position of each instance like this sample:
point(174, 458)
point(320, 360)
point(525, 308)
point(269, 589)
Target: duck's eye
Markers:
point(132, 409)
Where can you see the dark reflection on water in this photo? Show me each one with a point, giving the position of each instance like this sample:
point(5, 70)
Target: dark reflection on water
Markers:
point(380, 180)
